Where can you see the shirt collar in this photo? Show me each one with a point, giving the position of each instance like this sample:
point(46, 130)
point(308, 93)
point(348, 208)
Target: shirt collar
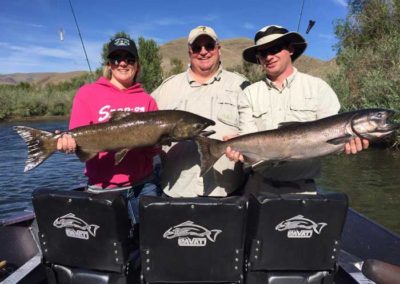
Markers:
point(287, 83)
point(215, 77)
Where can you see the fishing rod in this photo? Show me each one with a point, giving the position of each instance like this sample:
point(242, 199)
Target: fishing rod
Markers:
point(80, 36)
point(301, 13)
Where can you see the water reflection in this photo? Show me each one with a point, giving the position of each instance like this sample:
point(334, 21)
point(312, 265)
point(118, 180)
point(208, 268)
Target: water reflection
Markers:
point(371, 179)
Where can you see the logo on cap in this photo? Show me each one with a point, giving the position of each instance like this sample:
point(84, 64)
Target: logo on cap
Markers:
point(121, 42)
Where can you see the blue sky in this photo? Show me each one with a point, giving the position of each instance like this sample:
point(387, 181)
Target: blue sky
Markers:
point(30, 29)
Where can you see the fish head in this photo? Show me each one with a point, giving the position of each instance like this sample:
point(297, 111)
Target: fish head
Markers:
point(190, 126)
point(372, 124)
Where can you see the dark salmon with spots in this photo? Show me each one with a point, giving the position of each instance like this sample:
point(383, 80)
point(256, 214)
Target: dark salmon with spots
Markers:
point(124, 131)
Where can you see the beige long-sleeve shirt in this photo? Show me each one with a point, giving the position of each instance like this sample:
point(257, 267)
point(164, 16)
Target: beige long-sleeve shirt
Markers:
point(217, 99)
point(303, 97)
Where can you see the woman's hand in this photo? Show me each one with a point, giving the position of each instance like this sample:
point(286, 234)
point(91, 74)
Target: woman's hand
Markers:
point(66, 143)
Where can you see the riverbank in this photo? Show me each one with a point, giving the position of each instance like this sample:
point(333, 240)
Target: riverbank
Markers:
point(36, 118)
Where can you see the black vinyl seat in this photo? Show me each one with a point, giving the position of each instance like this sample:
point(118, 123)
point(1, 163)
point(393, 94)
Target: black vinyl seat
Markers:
point(294, 238)
point(192, 240)
point(84, 238)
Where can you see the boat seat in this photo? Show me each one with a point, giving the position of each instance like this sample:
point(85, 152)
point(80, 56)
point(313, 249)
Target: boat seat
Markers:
point(83, 234)
point(294, 238)
point(192, 240)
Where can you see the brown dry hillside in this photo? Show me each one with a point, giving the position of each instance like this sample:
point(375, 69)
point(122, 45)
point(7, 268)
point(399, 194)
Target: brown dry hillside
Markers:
point(232, 56)
point(39, 78)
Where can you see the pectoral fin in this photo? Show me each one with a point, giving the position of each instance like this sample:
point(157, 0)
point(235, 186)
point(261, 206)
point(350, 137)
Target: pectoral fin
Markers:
point(340, 140)
point(120, 155)
point(84, 155)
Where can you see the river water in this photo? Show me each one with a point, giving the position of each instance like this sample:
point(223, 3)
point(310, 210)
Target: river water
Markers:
point(371, 179)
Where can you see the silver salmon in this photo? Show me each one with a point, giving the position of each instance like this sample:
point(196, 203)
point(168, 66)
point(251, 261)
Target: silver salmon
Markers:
point(124, 131)
point(301, 140)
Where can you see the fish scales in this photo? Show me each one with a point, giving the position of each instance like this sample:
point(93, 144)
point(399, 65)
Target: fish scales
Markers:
point(124, 131)
point(300, 141)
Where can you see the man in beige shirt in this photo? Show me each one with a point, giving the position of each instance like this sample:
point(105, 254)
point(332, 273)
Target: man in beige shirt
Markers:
point(210, 91)
point(285, 95)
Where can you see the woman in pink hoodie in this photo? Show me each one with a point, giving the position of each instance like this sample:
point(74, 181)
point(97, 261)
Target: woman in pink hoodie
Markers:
point(94, 103)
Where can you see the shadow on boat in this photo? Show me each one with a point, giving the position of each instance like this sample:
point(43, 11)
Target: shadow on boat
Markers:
point(76, 237)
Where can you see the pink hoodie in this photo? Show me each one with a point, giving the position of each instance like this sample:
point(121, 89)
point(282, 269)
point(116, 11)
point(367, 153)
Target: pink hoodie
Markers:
point(94, 103)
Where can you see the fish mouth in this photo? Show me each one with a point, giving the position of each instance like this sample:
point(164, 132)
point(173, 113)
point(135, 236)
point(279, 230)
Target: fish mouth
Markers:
point(389, 124)
point(206, 133)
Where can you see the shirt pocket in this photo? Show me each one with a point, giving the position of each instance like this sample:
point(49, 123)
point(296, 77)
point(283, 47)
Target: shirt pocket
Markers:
point(228, 109)
point(260, 118)
point(177, 105)
point(302, 110)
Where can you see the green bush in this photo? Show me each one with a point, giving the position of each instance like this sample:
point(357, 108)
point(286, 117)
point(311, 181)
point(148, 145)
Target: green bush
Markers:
point(369, 55)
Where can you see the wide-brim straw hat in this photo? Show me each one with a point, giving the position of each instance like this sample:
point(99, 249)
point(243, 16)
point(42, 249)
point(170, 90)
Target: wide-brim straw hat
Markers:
point(272, 35)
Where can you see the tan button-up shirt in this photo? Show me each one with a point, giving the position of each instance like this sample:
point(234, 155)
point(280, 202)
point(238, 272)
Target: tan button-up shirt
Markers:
point(217, 99)
point(262, 106)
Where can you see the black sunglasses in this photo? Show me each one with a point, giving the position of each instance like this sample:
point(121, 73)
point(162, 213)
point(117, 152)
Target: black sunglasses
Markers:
point(116, 60)
point(196, 48)
point(272, 50)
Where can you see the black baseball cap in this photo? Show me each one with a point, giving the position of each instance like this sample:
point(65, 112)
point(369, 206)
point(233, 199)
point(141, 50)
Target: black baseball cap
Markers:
point(122, 43)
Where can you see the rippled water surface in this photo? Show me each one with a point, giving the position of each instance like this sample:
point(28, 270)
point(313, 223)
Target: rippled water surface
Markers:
point(371, 179)
point(60, 171)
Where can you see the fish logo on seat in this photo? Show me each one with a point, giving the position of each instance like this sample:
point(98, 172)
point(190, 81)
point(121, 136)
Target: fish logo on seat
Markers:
point(191, 234)
point(75, 227)
point(300, 227)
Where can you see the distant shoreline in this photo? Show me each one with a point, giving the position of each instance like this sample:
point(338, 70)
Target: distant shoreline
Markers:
point(36, 118)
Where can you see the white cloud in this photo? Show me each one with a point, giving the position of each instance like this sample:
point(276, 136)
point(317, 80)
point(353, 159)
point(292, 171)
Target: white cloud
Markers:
point(169, 22)
point(64, 56)
point(342, 3)
point(249, 26)
point(326, 36)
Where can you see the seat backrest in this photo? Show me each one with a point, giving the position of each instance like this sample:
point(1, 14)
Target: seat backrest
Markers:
point(186, 240)
point(83, 230)
point(295, 231)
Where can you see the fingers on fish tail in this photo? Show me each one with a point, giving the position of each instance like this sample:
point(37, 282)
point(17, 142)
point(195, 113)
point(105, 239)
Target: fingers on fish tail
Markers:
point(205, 147)
point(40, 145)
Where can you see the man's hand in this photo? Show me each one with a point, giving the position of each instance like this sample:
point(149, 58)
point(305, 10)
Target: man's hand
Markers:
point(233, 155)
point(356, 145)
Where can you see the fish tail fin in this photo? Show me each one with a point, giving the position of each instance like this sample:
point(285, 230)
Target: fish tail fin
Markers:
point(40, 145)
point(205, 147)
point(213, 235)
point(92, 229)
point(319, 227)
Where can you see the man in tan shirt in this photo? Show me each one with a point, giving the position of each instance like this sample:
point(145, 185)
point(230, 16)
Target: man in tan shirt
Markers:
point(206, 89)
point(285, 95)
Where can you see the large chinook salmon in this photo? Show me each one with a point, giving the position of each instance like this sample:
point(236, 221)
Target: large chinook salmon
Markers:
point(124, 131)
point(302, 140)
